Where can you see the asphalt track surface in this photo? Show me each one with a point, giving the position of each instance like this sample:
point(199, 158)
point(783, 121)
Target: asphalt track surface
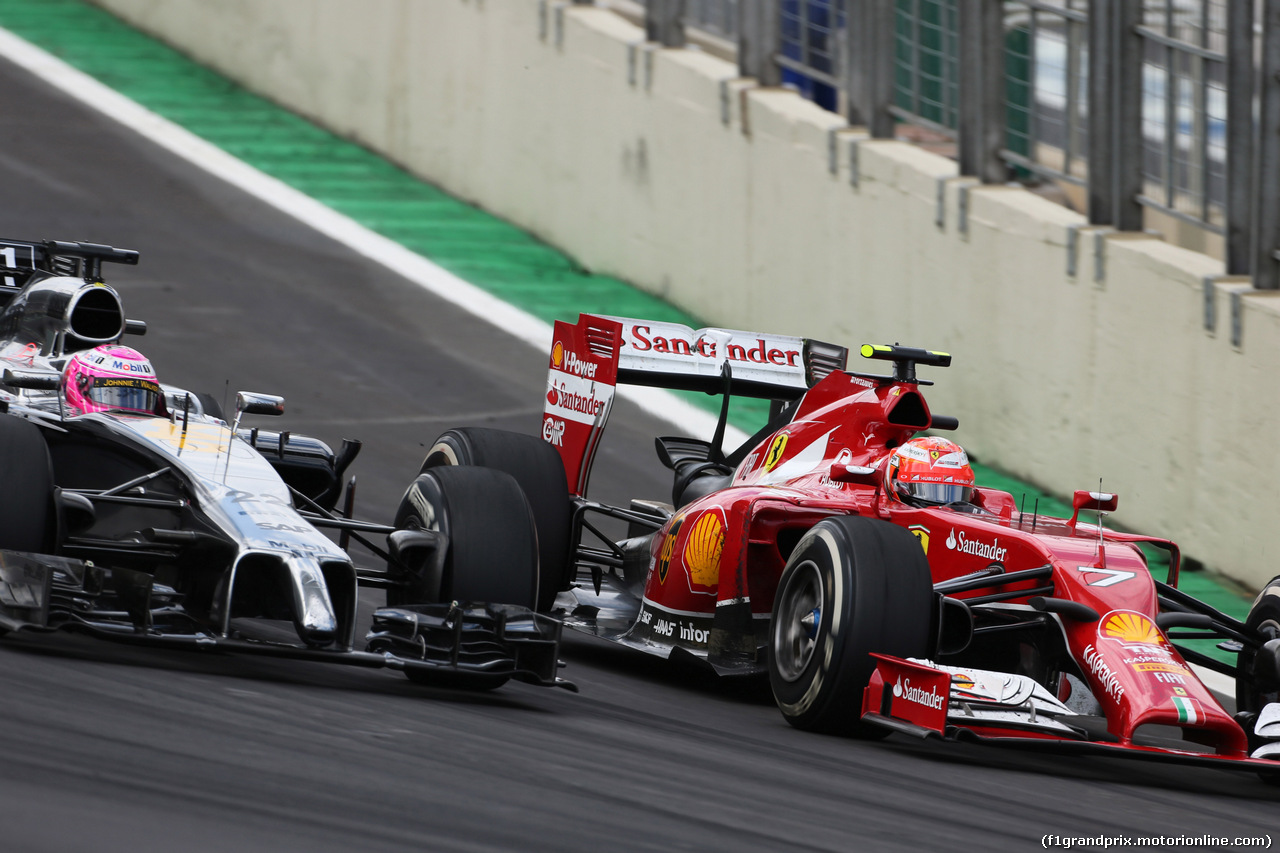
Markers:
point(109, 748)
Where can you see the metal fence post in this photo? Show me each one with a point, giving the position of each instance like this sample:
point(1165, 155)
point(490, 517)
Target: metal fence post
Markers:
point(855, 66)
point(869, 40)
point(664, 22)
point(981, 116)
point(1128, 47)
point(879, 43)
point(758, 41)
point(1266, 267)
point(1239, 208)
point(1101, 112)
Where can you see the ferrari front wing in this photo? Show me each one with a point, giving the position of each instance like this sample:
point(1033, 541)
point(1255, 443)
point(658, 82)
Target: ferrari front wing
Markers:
point(928, 700)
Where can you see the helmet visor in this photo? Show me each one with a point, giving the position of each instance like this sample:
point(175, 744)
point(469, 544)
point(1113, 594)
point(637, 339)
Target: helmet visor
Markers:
point(936, 493)
point(130, 395)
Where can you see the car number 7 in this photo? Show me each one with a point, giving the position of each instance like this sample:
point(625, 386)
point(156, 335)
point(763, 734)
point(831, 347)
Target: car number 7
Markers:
point(1114, 576)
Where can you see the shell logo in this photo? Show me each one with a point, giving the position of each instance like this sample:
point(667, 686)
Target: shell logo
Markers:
point(668, 549)
point(557, 354)
point(1130, 627)
point(703, 549)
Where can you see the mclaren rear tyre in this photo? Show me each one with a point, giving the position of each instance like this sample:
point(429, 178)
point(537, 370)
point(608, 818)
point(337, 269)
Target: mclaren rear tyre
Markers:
point(536, 466)
point(1257, 680)
point(28, 519)
point(852, 586)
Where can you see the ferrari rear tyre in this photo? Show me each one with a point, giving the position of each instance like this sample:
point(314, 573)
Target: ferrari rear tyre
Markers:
point(1252, 696)
point(852, 586)
point(28, 520)
point(536, 466)
point(491, 545)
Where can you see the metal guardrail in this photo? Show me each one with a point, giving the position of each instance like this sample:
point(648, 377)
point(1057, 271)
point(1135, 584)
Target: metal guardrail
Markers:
point(810, 41)
point(717, 17)
point(1046, 51)
point(926, 74)
point(1184, 111)
point(1143, 104)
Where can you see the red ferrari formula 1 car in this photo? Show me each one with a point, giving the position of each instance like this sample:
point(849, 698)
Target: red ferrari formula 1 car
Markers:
point(856, 562)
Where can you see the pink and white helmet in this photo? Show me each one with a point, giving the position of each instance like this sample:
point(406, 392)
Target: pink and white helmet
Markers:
point(111, 378)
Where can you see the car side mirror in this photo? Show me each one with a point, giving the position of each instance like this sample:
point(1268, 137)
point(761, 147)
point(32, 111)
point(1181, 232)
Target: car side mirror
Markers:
point(249, 403)
point(32, 380)
point(1095, 501)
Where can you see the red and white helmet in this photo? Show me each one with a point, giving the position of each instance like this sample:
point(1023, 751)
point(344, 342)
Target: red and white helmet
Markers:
point(111, 378)
point(929, 470)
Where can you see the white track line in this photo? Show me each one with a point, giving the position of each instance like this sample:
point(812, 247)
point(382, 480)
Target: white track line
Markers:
point(395, 257)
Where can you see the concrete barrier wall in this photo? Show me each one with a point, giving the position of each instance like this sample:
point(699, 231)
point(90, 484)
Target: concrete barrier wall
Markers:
point(1078, 354)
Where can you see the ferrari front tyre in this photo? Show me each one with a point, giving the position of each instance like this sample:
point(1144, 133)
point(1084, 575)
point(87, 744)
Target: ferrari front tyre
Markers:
point(490, 544)
point(1252, 693)
point(852, 586)
point(536, 466)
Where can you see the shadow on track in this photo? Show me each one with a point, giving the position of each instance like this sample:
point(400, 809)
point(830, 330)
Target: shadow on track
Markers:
point(335, 677)
point(1091, 769)
point(580, 650)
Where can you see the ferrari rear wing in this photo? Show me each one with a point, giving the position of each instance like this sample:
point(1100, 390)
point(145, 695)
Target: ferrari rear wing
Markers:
point(589, 359)
point(674, 356)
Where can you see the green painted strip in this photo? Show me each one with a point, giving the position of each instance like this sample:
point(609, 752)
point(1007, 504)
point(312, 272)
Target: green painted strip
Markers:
point(468, 242)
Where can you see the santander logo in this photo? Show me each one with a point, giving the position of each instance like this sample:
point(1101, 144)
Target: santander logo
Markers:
point(990, 551)
point(903, 690)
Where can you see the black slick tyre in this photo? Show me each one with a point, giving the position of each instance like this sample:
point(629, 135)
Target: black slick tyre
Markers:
point(536, 466)
point(852, 586)
point(28, 519)
point(1251, 696)
point(491, 550)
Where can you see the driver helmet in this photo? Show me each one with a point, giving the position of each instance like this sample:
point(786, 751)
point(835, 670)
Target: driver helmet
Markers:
point(111, 378)
point(929, 471)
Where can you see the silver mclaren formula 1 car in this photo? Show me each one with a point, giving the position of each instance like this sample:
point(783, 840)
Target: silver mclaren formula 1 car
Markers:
point(136, 511)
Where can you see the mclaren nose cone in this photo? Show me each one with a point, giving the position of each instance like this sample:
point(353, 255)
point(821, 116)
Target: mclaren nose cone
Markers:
point(313, 614)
